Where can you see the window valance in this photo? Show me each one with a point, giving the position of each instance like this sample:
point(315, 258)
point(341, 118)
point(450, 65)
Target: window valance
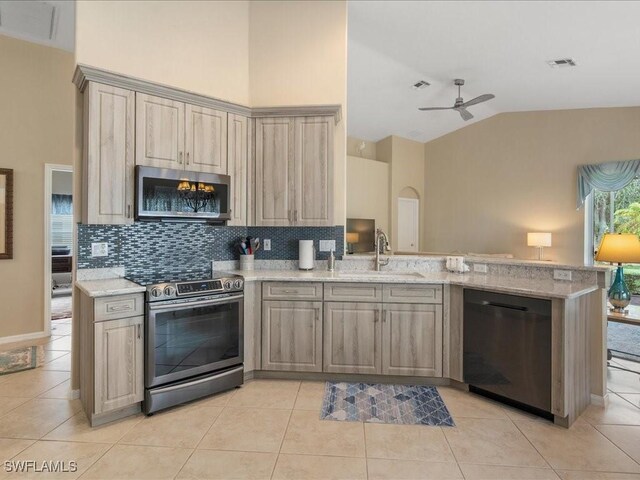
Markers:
point(606, 177)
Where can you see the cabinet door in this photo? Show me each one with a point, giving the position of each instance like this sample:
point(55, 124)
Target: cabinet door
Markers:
point(205, 140)
point(292, 336)
point(119, 358)
point(274, 171)
point(159, 132)
point(352, 334)
point(313, 171)
point(238, 167)
point(412, 340)
point(108, 183)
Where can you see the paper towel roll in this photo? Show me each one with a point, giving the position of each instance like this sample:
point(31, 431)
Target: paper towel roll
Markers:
point(306, 255)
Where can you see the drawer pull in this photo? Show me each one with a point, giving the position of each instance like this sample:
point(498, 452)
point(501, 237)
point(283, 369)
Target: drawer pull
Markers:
point(290, 291)
point(118, 308)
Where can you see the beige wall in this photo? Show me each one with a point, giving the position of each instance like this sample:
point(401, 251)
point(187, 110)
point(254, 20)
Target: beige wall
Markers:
point(368, 190)
point(490, 183)
point(36, 127)
point(298, 56)
point(197, 46)
point(406, 178)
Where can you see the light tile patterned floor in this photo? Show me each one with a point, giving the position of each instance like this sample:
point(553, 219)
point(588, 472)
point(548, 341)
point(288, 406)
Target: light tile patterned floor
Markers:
point(271, 429)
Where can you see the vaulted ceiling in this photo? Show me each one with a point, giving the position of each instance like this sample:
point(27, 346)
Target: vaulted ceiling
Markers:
point(498, 47)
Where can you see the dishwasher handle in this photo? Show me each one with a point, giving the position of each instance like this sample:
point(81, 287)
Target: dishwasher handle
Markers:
point(505, 305)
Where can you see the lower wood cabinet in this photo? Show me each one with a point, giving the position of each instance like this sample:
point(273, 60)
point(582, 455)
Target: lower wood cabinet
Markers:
point(119, 360)
point(352, 337)
point(412, 340)
point(292, 336)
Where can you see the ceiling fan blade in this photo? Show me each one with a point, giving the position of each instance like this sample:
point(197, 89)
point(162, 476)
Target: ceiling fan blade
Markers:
point(480, 99)
point(435, 108)
point(464, 113)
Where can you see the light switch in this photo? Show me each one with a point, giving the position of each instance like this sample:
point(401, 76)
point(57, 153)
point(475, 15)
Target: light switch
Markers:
point(100, 249)
point(266, 244)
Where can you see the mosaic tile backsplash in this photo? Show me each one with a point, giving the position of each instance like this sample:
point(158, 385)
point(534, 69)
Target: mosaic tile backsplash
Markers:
point(147, 247)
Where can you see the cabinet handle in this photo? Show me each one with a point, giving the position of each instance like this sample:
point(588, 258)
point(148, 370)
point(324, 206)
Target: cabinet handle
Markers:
point(295, 215)
point(128, 211)
point(180, 158)
point(376, 314)
point(384, 315)
point(289, 215)
point(187, 158)
point(139, 334)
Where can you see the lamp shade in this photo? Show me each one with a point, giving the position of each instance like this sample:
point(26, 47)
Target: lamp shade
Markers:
point(539, 239)
point(619, 248)
point(353, 237)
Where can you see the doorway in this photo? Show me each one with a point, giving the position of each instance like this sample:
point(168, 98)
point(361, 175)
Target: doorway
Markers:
point(408, 224)
point(58, 260)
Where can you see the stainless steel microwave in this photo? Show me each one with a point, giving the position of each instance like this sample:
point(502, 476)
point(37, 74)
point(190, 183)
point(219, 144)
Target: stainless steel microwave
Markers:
point(179, 195)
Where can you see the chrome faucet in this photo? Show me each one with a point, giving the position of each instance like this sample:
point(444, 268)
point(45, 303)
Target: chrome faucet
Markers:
point(382, 243)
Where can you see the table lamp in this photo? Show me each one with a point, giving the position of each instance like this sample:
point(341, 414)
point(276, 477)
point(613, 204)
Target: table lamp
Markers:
point(619, 248)
point(352, 237)
point(539, 240)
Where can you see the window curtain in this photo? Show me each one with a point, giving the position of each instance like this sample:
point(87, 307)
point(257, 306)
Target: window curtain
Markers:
point(61, 204)
point(606, 177)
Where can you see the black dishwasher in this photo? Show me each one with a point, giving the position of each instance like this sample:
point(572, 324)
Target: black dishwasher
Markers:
point(507, 348)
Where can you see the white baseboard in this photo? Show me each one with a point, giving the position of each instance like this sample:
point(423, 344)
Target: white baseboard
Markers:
point(24, 337)
point(600, 400)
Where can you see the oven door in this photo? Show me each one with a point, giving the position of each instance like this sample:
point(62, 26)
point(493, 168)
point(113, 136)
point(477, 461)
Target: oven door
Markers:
point(192, 338)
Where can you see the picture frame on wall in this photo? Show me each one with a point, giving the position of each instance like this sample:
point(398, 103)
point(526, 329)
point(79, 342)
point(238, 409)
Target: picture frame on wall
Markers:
point(6, 213)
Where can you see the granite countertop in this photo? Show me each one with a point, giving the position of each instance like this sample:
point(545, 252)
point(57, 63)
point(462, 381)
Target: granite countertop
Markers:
point(108, 287)
point(499, 283)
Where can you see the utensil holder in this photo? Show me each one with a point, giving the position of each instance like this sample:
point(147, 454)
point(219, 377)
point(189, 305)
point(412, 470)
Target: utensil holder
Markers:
point(246, 262)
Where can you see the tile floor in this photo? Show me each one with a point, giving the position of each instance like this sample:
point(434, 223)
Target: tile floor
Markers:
point(271, 429)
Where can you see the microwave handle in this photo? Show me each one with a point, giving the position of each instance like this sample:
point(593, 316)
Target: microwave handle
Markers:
point(203, 303)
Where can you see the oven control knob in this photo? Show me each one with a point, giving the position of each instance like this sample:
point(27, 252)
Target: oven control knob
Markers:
point(156, 292)
point(237, 284)
point(227, 285)
point(169, 291)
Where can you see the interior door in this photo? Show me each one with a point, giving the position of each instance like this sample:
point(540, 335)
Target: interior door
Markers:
point(408, 224)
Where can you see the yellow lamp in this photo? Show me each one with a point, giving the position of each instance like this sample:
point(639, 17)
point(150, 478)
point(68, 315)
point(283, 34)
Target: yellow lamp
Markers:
point(619, 248)
point(539, 240)
point(352, 237)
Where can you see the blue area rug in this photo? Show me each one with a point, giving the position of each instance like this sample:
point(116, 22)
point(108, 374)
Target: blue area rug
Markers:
point(624, 338)
point(378, 403)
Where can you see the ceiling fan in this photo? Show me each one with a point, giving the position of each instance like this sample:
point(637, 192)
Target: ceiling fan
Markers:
point(460, 105)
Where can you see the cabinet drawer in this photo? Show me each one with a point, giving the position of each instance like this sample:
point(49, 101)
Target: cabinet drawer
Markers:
point(412, 293)
point(353, 292)
point(291, 291)
point(121, 306)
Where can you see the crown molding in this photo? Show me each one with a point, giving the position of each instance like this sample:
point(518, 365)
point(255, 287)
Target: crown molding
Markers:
point(86, 73)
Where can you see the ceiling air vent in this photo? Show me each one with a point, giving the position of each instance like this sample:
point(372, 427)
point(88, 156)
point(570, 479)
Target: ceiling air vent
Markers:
point(562, 62)
point(421, 84)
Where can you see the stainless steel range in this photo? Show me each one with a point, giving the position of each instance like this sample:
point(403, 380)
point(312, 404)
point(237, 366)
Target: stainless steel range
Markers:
point(194, 339)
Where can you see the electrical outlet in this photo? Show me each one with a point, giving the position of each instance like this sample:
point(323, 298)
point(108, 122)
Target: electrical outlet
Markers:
point(480, 267)
point(266, 244)
point(562, 274)
point(327, 245)
point(100, 249)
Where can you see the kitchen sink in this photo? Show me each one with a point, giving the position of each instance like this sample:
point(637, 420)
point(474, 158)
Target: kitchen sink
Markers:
point(384, 274)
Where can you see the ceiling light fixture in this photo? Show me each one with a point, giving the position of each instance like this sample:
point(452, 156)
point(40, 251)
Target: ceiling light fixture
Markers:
point(562, 62)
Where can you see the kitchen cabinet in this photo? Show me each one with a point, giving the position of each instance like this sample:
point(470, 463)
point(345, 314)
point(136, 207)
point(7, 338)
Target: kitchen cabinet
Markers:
point(412, 340)
point(292, 336)
point(172, 134)
point(119, 358)
point(112, 352)
point(352, 337)
point(238, 167)
point(109, 162)
point(294, 171)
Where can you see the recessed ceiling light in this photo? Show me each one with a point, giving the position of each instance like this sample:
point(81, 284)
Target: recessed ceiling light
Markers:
point(562, 62)
point(421, 84)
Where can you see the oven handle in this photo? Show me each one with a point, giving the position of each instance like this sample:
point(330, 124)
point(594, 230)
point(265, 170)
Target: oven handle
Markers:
point(196, 382)
point(203, 303)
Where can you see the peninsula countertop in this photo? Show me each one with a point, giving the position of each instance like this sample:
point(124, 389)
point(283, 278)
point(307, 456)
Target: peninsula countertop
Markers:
point(108, 287)
point(499, 283)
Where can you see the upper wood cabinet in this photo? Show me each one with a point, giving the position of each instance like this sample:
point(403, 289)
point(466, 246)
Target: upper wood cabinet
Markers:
point(238, 167)
point(108, 183)
point(294, 171)
point(171, 134)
